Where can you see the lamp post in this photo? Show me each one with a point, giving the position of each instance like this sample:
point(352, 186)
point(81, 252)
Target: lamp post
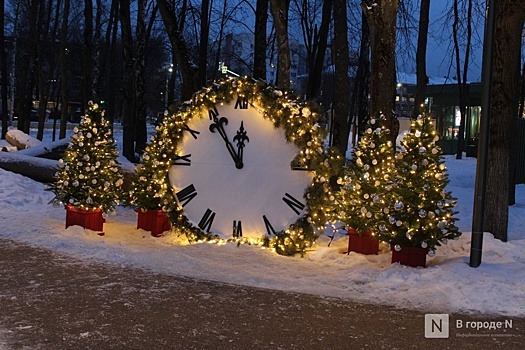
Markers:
point(168, 76)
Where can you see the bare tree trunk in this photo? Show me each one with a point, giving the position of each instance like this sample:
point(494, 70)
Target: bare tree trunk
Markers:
point(362, 83)
point(3, 71)
point(96, 52)
point(41, 71)
point(140, 118)
point(25, 79)
point(64, 98)
point(421, 59)
point(259, 49)
point(522, 93)
point(319, 49)
point(111, 43)
point(180, 48)
point(279, 9)
point(381, 15)
point(128, 90)
point(510, 16)
point(340, 122)
point(87, 68)
point(204, 38)
point(462, 78)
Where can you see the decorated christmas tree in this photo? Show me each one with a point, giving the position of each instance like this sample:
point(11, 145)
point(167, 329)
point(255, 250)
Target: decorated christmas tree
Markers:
point(422, 214)
point(89, 175)
point(150, 189)
point(364, 198)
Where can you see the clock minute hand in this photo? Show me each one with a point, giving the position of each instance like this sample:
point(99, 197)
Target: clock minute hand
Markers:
point(218, 125)
point(241, 137)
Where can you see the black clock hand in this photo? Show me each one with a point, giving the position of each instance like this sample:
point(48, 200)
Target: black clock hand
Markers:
point(218, 125)
point(240, 138)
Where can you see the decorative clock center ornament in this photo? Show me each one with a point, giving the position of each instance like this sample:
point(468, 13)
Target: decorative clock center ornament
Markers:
point(241, 137)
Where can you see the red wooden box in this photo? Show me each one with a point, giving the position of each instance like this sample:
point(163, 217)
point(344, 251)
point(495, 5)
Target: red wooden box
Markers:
point(410, 256)
point(363, 243)
point(155, 221)
point(87, 218)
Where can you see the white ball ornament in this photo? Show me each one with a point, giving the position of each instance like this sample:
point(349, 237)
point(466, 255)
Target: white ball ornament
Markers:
point(372, 121)
point(422, 150)
point(399, 223)
point(422, 213)
point(397, 248)
point(424, 244)
point(413, 167)
point(398, 205)
point(417, 133)
point(432, 252)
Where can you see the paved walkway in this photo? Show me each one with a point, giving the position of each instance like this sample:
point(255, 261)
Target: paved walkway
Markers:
point(49, 301)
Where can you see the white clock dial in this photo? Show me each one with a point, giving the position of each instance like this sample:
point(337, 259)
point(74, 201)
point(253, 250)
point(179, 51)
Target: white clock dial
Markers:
point(216, 190)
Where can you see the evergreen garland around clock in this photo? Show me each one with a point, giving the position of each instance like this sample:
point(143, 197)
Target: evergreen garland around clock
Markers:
point(300, 120)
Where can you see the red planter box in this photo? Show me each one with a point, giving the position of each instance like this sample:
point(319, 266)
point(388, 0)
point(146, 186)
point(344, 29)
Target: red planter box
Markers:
point(363, 243)
point(410, 256)
point(87, 218)
point(155, 221)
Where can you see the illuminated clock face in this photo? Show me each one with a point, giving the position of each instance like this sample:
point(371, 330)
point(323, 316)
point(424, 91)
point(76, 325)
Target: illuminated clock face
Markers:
point(233, 173)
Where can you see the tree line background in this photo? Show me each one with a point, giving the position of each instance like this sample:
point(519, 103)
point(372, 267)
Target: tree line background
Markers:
point(139, 57)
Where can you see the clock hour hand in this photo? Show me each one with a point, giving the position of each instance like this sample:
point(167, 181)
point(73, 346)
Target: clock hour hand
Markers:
point(241, 137)
point(218, 125)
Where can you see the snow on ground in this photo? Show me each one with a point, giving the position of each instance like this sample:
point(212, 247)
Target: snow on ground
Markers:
point(448, 284)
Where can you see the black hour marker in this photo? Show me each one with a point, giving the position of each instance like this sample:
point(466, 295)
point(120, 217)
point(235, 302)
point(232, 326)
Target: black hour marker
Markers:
point(185, 195)
point(293, 203)
point(269, 227)
point(207, 220)
point(182, 160)
point(237, 229)
point(242, 103)
point(213, 113)
point(193, 133)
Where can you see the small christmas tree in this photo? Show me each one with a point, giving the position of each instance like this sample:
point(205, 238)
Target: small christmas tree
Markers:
point(89, 176)
point(422, 214)
point(364, 197)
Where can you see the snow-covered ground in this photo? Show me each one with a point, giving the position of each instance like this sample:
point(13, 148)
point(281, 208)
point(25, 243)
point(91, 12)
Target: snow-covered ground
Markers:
point(448, 284)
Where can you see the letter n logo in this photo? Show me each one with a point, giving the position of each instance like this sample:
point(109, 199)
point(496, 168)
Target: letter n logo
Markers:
point(436, 326)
